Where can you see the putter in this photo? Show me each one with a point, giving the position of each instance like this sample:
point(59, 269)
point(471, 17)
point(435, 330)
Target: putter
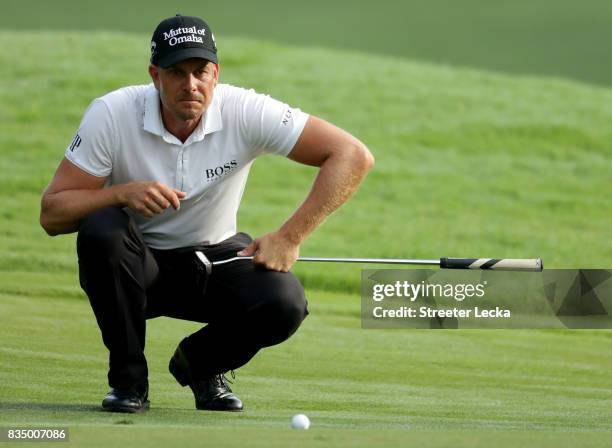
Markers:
point(503, 264)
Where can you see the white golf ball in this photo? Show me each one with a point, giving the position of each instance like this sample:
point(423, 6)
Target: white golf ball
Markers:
point(300, 421)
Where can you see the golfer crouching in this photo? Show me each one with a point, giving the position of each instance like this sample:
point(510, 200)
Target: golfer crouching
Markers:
point(155, 173)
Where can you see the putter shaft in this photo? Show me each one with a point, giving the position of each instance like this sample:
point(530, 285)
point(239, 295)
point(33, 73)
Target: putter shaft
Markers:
point(503, 264)
point(346, 260)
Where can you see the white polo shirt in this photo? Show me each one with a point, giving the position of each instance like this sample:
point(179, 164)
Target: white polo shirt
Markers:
point(122, 138)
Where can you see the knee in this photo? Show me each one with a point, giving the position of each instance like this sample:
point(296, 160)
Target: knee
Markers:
point(103, 233)
point(285, 309)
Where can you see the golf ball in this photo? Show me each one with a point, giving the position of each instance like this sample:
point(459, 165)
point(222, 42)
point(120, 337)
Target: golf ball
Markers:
point(300, 421)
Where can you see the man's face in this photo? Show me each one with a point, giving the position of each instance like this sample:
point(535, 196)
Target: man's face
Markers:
point(186, 88)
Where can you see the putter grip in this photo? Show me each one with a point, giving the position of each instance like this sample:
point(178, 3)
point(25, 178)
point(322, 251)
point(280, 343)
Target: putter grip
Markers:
point(503, 264)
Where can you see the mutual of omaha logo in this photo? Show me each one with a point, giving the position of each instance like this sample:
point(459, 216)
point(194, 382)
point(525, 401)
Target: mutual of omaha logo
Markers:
point(76, 142)
point(213, 174)
point(179, 35)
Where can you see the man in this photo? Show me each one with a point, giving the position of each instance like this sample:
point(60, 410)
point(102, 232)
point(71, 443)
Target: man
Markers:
point(156, 173)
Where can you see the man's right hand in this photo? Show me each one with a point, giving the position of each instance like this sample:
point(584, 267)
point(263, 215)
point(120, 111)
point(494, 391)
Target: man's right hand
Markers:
point(149, 198)
point(74, 194)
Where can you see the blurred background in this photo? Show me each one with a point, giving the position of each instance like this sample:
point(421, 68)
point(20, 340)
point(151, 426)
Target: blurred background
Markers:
point(469, 163)
point(561, 38)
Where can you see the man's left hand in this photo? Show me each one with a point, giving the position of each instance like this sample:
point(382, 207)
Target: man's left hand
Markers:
point(272, 251)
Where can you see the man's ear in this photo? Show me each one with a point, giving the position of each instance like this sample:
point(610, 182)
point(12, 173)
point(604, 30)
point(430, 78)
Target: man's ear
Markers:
point(154, 73)
point(217, 68)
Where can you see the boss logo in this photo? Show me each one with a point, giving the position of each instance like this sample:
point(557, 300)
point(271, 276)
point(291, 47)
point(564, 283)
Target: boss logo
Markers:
point(220, 171)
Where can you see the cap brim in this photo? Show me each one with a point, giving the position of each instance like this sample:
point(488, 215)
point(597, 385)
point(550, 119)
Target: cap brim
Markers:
point(187, 53)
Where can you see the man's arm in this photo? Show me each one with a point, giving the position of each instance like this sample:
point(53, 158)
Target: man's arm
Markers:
point(343, 161)
point(74, 194)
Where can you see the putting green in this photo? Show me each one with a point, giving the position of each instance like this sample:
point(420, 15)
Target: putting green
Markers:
point(359, 387)
point(468, 164)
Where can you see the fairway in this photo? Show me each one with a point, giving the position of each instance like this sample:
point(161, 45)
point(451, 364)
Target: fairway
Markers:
point(468, 164)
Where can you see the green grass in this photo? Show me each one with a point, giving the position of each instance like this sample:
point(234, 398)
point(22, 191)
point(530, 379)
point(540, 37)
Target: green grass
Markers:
point(359, 387)
point(468, 164)
point(561, 38)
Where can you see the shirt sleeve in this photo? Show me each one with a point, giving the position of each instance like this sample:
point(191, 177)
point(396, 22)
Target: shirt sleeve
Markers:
point(92, 146)
point(271, 126)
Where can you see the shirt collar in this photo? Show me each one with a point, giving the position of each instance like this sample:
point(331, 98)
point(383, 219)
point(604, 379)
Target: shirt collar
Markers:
point(152, 120)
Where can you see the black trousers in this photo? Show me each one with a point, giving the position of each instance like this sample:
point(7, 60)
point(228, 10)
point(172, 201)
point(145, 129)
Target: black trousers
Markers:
point(245, 307)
